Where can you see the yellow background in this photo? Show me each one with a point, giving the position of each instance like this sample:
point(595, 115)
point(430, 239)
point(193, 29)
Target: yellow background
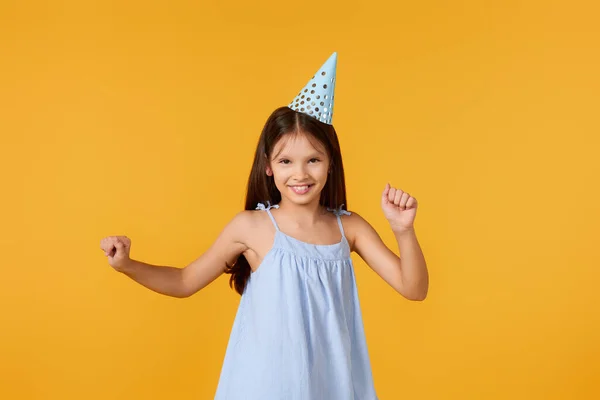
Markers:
point(141, 119)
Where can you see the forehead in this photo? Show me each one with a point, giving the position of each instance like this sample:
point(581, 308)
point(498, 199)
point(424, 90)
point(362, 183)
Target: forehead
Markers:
point(298, 144)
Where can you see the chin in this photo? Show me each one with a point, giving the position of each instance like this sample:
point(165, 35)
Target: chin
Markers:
point(303, 200)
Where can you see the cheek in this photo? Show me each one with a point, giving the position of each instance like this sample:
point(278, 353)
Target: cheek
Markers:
point(323, 170)
point(279, 175)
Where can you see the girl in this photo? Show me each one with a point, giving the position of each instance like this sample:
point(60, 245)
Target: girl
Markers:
point(298, 332)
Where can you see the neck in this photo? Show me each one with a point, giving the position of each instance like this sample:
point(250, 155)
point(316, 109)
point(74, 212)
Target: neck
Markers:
point(301, 213)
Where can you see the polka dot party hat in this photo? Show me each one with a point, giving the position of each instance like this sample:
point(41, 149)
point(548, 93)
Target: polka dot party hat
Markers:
point(316, 98)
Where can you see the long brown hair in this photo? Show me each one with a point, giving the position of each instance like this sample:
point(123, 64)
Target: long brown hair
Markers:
point(261, 187)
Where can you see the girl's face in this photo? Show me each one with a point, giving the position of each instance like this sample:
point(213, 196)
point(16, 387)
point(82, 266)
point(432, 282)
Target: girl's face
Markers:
point(300, 166)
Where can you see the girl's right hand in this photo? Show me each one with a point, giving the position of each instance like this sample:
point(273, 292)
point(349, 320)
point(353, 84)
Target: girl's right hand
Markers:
point(117, 248)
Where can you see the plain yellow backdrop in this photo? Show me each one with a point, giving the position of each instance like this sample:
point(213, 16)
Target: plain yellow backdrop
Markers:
point(140, 118)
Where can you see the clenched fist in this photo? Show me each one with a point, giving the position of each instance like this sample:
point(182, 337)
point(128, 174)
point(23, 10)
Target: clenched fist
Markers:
point(116, 248)
point(399, 208)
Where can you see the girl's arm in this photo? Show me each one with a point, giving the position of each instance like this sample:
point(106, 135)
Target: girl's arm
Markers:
point(224, 252)
point(182, 282)
point(407, 275)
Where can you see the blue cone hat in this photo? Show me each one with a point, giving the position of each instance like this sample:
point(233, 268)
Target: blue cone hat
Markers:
point(316, 98)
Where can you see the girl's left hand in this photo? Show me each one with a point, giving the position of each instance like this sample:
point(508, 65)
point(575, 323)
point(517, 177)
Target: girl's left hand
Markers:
point(399, 208)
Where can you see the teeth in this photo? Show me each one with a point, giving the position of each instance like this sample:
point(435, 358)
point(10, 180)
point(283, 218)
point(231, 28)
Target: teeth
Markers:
point(300, 189)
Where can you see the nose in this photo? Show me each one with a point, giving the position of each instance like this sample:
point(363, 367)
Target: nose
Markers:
point(301, 172)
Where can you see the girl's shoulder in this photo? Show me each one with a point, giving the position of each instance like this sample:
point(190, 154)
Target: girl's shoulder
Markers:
point(257, 219)
point(247, 220)
point(249, 228)
point(354, 224)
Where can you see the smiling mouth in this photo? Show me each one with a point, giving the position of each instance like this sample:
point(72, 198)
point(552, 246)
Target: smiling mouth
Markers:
point(301, 189)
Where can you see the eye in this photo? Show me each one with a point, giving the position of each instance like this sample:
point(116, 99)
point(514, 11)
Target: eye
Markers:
point(284, 161)
point(314, 160)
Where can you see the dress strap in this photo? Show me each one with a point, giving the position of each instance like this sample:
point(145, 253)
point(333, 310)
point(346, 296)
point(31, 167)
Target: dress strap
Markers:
point(338, 213)
point(261, 206)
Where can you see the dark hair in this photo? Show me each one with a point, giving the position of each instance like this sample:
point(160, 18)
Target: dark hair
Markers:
point(261, 187)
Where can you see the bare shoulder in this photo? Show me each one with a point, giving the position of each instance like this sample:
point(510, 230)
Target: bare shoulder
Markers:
point(249, 225)
point(230, 243)
point(243, 219)
point(242, 224)
point(354, 225)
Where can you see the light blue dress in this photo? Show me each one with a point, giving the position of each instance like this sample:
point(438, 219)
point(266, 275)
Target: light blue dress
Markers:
point(298, 332)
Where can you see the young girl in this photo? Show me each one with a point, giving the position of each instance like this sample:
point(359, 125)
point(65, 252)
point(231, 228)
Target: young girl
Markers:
point(298, 332)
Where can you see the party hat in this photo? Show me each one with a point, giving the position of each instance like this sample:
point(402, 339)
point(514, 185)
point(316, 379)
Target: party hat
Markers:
point(316, 98)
